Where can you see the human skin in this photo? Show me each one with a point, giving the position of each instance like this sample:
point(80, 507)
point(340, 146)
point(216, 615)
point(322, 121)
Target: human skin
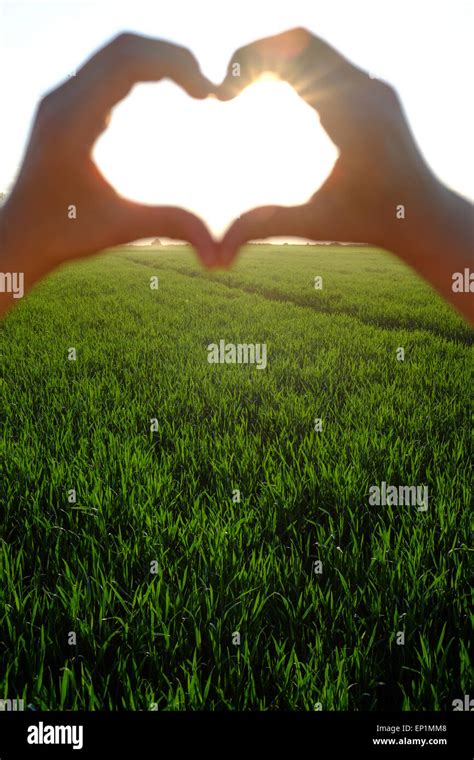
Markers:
point(378, 170)
point(36, 233)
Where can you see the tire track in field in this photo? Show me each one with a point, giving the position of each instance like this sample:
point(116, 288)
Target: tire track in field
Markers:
point(279, 297)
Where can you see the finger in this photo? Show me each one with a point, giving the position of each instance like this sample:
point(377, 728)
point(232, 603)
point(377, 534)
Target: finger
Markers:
point(84, 102)
point(351, 106)
point(262, 223)
point(297, 56)
point(140, 221)
point(323, 218)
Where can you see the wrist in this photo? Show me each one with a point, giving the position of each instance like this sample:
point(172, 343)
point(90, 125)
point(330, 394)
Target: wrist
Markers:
point(437, 241)
point(438, 226)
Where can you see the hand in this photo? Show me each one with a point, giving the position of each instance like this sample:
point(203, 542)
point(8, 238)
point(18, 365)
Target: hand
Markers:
point(36, 231)
point(379, 169)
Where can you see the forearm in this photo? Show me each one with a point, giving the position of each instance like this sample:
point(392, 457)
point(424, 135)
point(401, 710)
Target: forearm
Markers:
point(440, 245)
point(20, 267)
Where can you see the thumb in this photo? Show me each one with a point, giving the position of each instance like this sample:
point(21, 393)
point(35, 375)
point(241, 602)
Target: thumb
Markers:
point(324, 217)
point(265, 222)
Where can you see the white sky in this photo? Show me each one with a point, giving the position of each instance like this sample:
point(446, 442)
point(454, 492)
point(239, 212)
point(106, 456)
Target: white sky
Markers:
point(219, 159)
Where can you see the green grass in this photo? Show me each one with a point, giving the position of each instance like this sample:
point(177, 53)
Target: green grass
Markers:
point(166, 496)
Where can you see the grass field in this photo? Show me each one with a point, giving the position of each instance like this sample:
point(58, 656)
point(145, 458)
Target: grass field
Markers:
point(163, 635)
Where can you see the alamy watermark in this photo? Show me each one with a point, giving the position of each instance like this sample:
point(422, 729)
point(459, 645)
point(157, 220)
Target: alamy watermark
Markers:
point(12, 282)
point(387, 495)
point(12, 705)
point(463, 282)
point(466, 704)
point(46, 734)
point(237, 353)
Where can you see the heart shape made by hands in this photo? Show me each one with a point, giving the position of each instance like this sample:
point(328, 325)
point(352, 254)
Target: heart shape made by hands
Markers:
point(378, 175)
point(354, 111)
point(216, 159)
point(260, 154)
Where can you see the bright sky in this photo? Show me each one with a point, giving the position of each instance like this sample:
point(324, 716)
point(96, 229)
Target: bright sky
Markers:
point(267, 146)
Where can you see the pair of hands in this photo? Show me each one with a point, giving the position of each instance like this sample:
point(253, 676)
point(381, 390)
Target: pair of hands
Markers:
point(379, 167)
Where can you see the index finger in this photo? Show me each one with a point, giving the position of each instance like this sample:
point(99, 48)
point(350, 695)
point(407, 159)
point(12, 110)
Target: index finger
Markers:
point(297, 56)
point(84, 102)
point(353, 109)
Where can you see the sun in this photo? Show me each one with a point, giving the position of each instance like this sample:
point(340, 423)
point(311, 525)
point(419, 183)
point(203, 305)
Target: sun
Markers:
point(216, 159)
